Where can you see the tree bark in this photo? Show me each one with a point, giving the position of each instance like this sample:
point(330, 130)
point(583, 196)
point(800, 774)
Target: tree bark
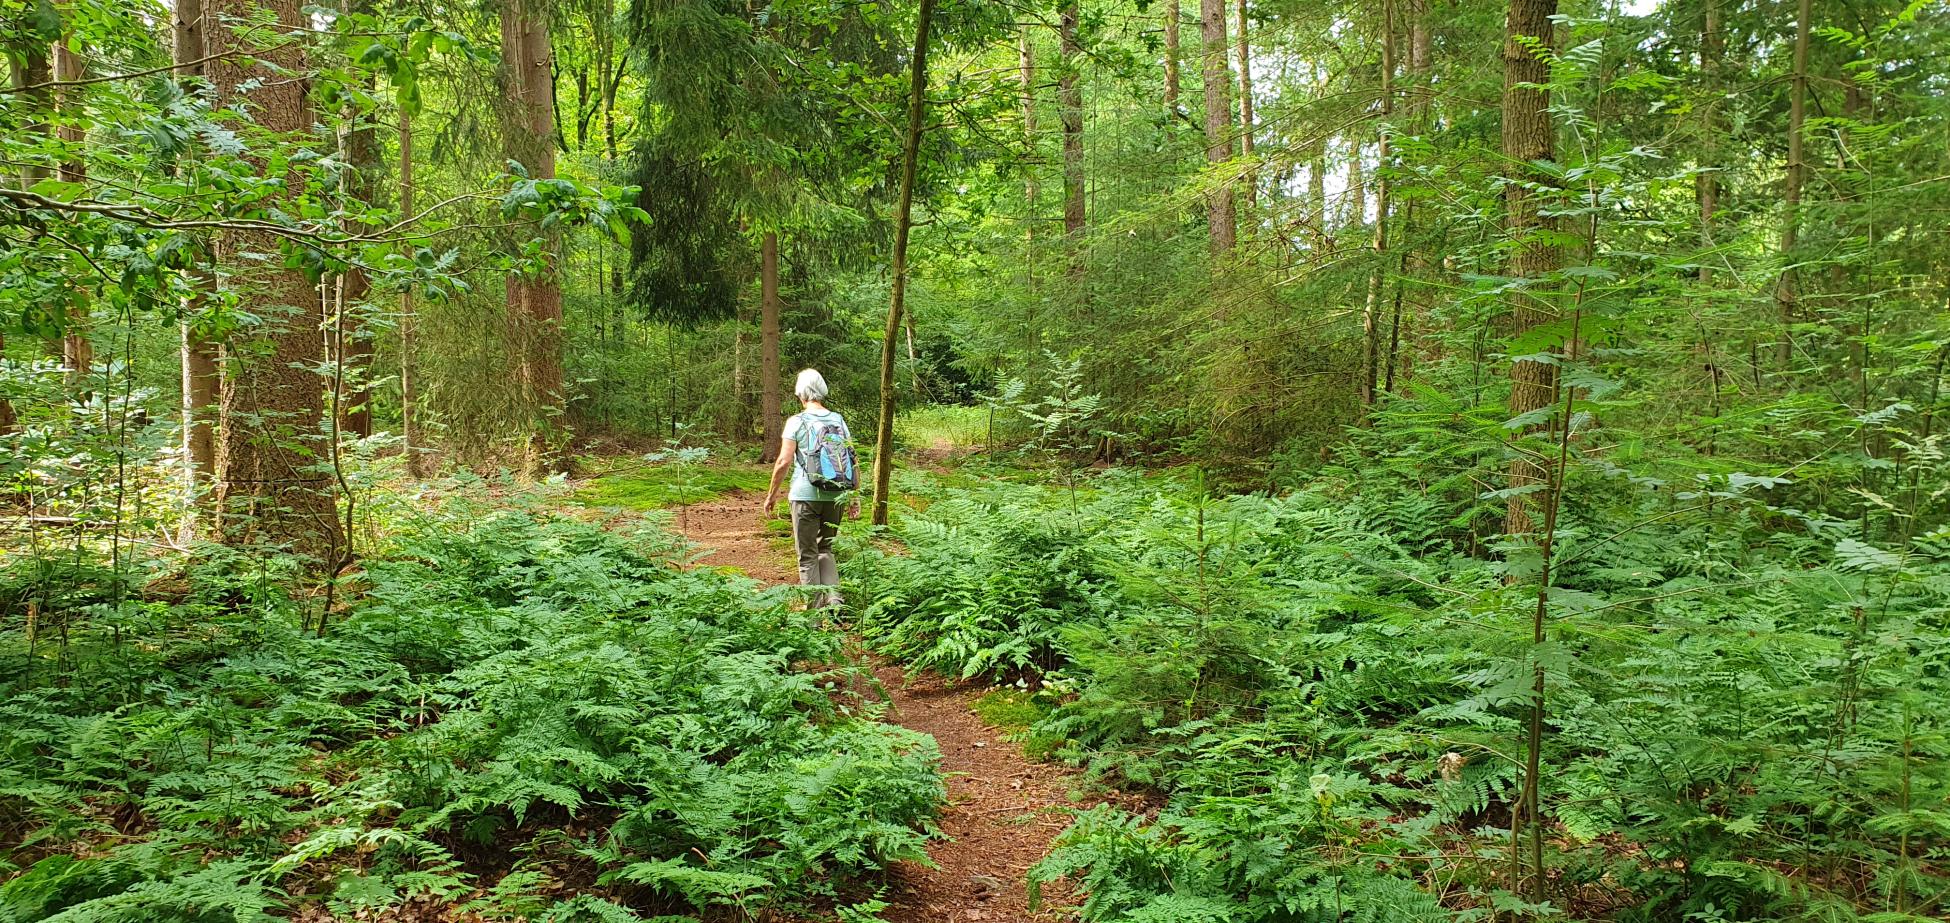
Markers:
point(409, 321)
point(769, 398)
point(1031, 189)
point(1246, 106)
point(353, 346)
point(30, 67)
point(606, 78)
point(77, 351)
point(1173, 59)
point(1706, 185)
point(1221, 213)
point(1377, 274)
point(1069, 97)
point(270, 486)
point(1786, 298)
point(199, 356)
point(1527, 137)
point(1354, 207)
point(917, 104)
point(534, 299)
point(1411, 293)
point(1323, 237)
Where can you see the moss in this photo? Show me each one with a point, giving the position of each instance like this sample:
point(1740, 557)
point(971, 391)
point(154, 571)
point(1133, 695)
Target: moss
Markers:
point(655, 486)
point(1014, 712)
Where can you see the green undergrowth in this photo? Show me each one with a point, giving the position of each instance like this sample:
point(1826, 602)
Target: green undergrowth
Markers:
point(1745, 716)
point(521, 716)
point(640, 485)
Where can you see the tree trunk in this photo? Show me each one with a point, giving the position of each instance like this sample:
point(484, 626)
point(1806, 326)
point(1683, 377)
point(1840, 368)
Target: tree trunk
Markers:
point(1706, 185)
point(31, 69)
point(1246, 106)
point(917, 104)
point(606, 78)
point(769, 383)
point(77, 352)
point(1221, 214)
point(1354, 202)
point(270, 487)
point(1031, 189)
point(354, 347)
point(1323, 242)
point(1069, 97)
point(9, 422)
point(535, 298)
point(1412, 292)
point(1527, 137)
point(1377, 274)
point(1785, 295)
point(1173, 58)
point(409, 369)
point(200, 380)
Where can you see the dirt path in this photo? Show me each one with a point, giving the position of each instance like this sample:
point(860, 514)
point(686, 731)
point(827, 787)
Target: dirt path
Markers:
point(1003, 810)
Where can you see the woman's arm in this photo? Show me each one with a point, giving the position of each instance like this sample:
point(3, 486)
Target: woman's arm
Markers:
point(788, 449)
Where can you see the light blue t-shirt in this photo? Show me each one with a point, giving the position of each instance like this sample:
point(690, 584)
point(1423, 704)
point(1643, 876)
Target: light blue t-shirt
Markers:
point(797, 430)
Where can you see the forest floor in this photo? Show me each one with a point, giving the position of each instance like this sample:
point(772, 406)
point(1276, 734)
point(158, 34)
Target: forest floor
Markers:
point(1003, 809)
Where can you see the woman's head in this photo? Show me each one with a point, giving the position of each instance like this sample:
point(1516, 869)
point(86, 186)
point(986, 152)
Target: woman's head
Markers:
point(810, 387)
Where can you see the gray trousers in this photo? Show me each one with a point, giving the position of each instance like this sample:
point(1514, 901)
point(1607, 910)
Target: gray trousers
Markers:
point(815, 523)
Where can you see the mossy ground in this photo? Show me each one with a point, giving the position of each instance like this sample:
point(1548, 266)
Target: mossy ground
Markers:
point(650, 486)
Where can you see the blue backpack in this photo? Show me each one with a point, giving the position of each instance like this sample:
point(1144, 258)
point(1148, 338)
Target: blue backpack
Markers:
point(826, 454)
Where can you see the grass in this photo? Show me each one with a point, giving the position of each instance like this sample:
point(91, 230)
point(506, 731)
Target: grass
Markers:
point(656, 486)
point(951, 427)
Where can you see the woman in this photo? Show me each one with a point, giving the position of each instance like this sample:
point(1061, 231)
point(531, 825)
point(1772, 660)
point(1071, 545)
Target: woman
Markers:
point(816, 495)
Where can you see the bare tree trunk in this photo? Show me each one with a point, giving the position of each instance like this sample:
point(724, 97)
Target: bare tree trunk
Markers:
point(1378, 275)
point(742, 411)
point(31, 69)
point(1527, 137)
point(1785, 296)
point(1323, 242)
point(1354, 202)
point(1221, 212)
point(1173, 58)
point(768, 347)
point(272, 405)
point(200, 380)
point(917, 105)
point(534, 300)
point(9, 421)
point(409, 322)
point(1069, 97)
point(1246, 106)
point(606, 78)
point(1411, 293)
point(1706, 185)
point(77, 351)
point(1026, 55)
point(354, 347)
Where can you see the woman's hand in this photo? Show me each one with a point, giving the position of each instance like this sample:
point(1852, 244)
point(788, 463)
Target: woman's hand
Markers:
point(771, 505)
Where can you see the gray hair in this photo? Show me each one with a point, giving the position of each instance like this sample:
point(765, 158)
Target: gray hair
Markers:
point(811, 386)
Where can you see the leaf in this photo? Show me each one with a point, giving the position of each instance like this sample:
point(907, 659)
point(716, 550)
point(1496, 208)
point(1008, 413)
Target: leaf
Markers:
point(1851, 554)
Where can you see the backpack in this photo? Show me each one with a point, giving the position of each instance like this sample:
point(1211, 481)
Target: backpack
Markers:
point(826, 455)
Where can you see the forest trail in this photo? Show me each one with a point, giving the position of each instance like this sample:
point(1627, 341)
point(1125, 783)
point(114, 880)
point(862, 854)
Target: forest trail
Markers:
point(1003, 810)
